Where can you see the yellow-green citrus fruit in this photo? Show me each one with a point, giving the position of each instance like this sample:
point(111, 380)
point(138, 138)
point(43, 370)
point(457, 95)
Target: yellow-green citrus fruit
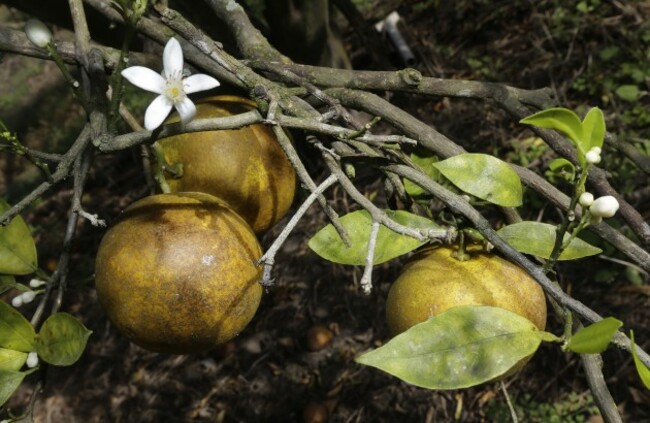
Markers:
point(177, 273)
point(435, 281)
point(245, 167)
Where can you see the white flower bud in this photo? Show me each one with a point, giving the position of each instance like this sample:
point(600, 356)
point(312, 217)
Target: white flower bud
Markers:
point(36, 283)
point(586, 199)
point(593, 156)
point(604, 206)
point(28, 296)
point(32, 360)
point(598, 150)
point(17, 301)
point(39, 34)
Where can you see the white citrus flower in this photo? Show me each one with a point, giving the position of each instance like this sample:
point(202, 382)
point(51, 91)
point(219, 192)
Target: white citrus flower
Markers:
point(605, 206)
point(172, 86)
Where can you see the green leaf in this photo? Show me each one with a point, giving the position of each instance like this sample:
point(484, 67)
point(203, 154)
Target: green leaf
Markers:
point(16, 333)
point(17, 248)
point(560, 119)
point(538, 239)
point(564, 168)
point(425, 162)
point(10, 380)
point(462, 347)
point(6, 283)
point(642, 369)
point(12, 359)
point(61, 340)
point(483, 176)
point(327, 243)
point(628, 92)
point(594, 338)
point(593, 129)
point(609, 53)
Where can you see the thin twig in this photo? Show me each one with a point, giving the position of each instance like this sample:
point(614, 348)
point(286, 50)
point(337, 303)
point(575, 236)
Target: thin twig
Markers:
point(268, 259)
point(511, 407)
point(376, 213)
point(593, 366)
point(366, 279)
point(62, 172)
point(308, 182)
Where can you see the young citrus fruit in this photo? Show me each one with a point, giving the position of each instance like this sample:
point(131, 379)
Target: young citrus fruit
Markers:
point(177, 273)
point(435, 281)
point(245, 167)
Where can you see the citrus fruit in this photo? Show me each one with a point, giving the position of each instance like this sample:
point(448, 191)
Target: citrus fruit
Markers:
point(435, 281)
point(245, 167)
point(177, 273)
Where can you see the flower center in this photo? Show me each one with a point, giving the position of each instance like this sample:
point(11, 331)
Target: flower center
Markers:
point(174, 89)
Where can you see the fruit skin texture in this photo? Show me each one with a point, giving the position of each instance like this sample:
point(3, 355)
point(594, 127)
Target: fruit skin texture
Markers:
point(177, 273)
point(245, 167)
point(434, 281)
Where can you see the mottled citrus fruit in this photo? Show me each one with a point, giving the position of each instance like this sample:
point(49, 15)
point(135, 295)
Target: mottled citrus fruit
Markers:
point(245, 167)
point(177, 273)
point(435, 281)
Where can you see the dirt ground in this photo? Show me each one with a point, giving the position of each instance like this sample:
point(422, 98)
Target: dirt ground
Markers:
point(268, 373)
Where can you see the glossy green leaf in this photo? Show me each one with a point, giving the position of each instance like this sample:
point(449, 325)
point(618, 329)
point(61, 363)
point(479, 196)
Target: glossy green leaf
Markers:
point(61, 340)
point(483, 176)
point(560, 119)
point(642, 369)
point(16, 333)
point(538, 239)
point(327, 243)
point(563, 168)
point(10, 380)
point(12, 359)
point(593, 129)
point(629, 93)
point(594, 338)
point(17, 248)
point(425, 162)
point(462, 347)
point(6, 283)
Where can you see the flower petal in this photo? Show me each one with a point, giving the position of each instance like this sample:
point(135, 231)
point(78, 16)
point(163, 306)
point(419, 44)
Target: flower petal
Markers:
point(186, 109)
point(144, 78)
point(157, 112)
point(173, 58)
point(199, 82)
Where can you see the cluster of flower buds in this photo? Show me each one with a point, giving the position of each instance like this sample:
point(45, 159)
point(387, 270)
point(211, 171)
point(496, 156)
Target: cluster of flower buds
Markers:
point(24, 298)
point(600, 208)
point(27, 296)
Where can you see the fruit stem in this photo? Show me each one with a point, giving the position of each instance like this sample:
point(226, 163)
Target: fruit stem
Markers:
point(161, 163)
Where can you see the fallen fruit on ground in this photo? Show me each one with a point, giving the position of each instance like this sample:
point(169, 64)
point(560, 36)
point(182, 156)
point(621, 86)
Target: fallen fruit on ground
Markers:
point(177, 273)
point(435, 281)
point(318, 337)
point(245, 167)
